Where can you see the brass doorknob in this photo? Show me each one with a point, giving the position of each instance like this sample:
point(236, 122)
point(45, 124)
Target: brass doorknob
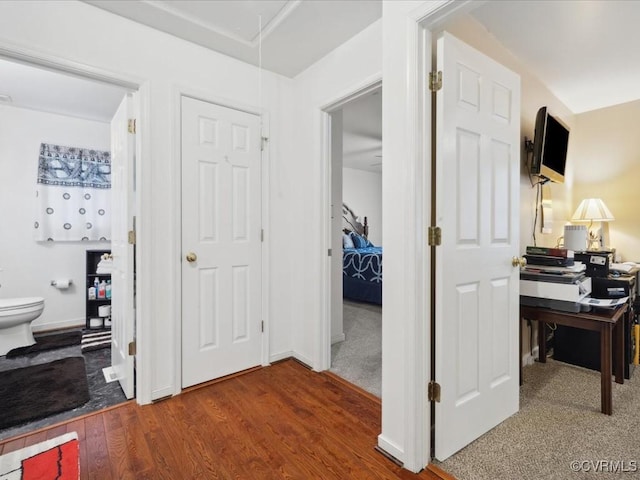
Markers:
point(191, 257)
point(519, 262)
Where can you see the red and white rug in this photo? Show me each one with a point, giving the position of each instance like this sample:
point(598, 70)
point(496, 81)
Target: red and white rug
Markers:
point(55, 459)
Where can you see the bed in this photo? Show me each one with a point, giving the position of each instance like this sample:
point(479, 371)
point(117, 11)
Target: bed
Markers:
point(361, 262)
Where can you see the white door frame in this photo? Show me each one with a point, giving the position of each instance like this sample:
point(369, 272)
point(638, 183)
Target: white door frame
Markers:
point(142, 194)
point(418, 24)
point(322, 357)
point(180, 91)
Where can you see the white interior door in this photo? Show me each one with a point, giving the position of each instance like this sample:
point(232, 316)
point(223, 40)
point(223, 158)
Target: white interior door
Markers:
point(122, 298)
point(477, 207)
point(221, 241)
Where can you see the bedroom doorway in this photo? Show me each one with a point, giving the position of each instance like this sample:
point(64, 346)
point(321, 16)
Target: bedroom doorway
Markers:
point(356, 239)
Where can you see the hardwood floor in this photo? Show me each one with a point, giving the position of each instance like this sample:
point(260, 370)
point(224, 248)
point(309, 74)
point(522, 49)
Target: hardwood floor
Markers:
point(282, 421)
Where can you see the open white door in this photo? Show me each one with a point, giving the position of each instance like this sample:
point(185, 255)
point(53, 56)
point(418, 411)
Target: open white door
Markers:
point(122, 297)
point(477, 208)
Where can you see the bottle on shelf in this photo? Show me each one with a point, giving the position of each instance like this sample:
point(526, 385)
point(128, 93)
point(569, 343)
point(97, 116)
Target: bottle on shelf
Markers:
point(102, 288)
point(96, 283)
point(108, 289)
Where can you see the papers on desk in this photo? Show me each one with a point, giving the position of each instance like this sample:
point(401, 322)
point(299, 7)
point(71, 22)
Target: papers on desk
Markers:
point(623, 267)
point(604, 302)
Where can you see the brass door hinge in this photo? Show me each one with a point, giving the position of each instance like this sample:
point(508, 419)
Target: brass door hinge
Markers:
point(435, 236)
point(132, 348)
point(263, 141)
point(435, 81)
point(262, 326)
point(262, 235)
point(131, 125)
point(131, 236)
point(329, 252)
point(433, 391)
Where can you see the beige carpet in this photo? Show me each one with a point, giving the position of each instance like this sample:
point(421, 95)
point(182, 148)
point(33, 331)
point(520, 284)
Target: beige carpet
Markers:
point(359, 358)
point(559, 422)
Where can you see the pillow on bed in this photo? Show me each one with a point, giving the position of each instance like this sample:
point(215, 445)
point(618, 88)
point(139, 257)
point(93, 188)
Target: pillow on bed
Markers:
point(346, 241)
point(358, 240)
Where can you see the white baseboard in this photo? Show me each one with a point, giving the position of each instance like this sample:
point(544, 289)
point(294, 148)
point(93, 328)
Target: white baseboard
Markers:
point(530, 358)
point(276, 357)
point(390, 448)
point(338, 338)
point(301, 358)
point(43, 327)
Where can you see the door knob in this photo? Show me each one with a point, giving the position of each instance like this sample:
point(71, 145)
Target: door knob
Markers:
point(191, 257)
point(519, 262)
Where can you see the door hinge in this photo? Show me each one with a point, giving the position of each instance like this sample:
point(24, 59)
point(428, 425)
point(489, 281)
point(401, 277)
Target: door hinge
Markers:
point(435, 236)
point(262, 234)
point(433, 391)
point(262, 326)
point(264, 140)
point(131, 236)
point(329, 252)
point(131, 125)
point(435, 81)
point(132, 348)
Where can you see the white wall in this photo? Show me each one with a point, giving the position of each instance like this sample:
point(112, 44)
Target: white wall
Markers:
point(607, 166)
point(88, 37)
point(29, 266)
point(348, 68)
point(362, 191)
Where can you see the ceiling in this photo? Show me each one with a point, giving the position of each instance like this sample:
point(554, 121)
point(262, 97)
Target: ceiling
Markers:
point(295, 33)
point(54, 92)
point(584, 51)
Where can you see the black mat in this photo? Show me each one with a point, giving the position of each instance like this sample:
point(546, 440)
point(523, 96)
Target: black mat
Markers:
point(41, 390)
point(48, 342)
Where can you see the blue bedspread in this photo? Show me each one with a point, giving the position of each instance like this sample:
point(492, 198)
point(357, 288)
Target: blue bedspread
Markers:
point(362, 274)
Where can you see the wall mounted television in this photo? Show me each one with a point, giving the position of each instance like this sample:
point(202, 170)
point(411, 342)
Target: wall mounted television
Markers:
point(550, 143)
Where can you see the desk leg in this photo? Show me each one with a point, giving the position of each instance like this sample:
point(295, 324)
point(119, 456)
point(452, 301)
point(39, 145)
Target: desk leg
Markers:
point(605, 369)
point(542, 342)
point(618, 349)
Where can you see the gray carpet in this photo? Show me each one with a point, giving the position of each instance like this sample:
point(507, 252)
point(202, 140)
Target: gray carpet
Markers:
point(359, 358)
point(559, 422)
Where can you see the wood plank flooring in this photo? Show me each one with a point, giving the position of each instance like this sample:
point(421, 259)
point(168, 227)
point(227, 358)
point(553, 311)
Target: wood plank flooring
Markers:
point(282, 421)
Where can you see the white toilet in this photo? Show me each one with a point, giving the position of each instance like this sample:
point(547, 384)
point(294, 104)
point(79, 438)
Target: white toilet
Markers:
point(16, 315)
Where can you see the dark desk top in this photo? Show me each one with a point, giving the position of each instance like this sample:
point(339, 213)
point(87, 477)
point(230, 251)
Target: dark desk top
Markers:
point(608, 315)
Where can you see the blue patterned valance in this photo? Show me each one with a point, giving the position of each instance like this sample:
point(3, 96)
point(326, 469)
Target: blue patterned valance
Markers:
point(73, 194)
point(74, 167)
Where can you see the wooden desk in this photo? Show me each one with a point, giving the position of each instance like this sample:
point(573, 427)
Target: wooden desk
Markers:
point(601, 320)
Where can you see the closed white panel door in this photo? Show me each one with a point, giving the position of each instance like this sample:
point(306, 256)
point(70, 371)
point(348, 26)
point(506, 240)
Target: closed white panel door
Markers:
point(122, 193)
point(221, 241)
point(477, 207)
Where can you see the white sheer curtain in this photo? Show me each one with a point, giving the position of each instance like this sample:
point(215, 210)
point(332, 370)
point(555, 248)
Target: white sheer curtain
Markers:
point(73, 194)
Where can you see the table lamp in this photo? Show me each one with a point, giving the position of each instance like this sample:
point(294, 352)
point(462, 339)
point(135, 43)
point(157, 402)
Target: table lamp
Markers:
point(594, 210)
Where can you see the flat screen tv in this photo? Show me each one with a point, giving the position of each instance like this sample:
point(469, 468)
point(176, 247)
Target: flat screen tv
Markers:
point(550, 143)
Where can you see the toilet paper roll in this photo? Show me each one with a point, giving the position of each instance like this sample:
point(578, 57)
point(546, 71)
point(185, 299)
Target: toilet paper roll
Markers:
point(104, 310)
point(61, 284)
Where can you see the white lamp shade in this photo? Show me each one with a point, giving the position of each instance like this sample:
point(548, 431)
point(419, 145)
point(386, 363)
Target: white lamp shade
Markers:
point(592, 210)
